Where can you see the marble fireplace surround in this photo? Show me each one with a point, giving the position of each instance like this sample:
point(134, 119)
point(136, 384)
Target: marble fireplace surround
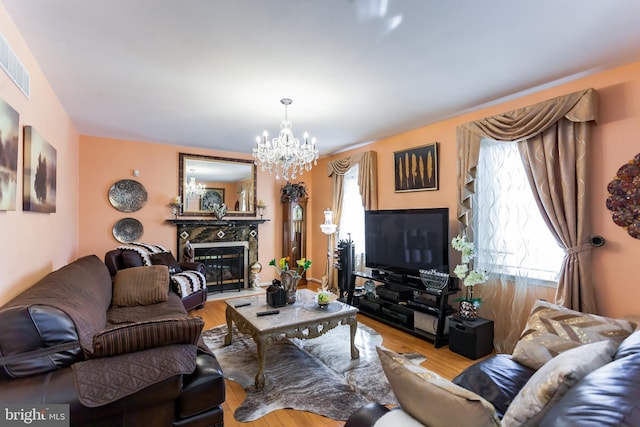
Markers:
point(198, 231)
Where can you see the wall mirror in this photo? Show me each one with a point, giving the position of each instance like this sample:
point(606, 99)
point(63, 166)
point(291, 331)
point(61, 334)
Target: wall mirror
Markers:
point(207, 180)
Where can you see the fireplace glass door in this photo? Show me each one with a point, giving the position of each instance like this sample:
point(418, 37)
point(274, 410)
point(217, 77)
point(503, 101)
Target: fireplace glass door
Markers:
point(225, 267)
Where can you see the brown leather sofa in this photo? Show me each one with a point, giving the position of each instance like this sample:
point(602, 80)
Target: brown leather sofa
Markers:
point(119, 259)
point(49, 354)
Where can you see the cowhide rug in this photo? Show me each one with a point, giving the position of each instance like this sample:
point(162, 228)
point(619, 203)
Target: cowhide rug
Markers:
point(315, 375)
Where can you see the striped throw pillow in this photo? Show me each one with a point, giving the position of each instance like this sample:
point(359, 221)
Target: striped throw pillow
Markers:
point(552, 329)
point(141, 286)
point(138, 336)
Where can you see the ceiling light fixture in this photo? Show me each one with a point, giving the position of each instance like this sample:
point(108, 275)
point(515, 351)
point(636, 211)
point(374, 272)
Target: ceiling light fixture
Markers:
point(192, 188)
point(285, 155)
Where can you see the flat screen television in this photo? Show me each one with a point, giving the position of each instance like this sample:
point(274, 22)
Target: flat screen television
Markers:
point(404, 241)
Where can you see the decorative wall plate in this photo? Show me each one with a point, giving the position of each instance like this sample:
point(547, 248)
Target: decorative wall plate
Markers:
point(624, 199)
point(127, 195)
point(127, 230)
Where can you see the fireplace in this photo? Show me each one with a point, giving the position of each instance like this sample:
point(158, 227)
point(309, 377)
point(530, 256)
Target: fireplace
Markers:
point(227, 248)
point(226, 264)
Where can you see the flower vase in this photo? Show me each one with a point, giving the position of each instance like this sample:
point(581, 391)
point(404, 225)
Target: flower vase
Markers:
point(468, 306)
point(468, 310)
point(219, 211)
point(289, 282)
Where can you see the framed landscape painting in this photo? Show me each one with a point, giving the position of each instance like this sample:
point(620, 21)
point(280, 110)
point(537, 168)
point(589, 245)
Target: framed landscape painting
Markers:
point(416, 169)
point(40, 169)
point(9, 128)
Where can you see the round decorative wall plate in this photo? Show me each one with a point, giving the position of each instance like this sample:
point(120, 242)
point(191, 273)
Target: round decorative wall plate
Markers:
point(624, 199)
point(127, 230)
point(127, 195)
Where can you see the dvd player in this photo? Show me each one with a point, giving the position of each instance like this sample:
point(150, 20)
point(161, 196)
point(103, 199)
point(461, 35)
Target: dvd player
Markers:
point(394, 295)
point(427, 308)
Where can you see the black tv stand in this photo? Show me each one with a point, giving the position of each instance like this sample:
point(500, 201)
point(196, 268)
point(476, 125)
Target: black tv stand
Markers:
point(409, 306)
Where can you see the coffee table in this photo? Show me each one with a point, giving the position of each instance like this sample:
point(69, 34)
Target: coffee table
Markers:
point(304, 319)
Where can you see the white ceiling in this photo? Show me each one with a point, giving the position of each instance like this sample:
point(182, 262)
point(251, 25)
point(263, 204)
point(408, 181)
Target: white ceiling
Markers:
point(211, 73)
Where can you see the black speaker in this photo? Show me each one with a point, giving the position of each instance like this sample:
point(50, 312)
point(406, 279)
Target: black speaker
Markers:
point(471, 338)
point(346, 254)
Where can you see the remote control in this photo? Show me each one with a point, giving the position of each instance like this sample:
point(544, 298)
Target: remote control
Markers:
point(267, 313)
point(242, 304)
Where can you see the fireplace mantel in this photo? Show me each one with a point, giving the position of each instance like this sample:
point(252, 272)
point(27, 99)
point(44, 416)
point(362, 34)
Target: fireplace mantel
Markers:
point(202, 221)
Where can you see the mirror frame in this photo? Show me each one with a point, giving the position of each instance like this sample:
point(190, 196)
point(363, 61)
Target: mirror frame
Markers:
point(183, 157)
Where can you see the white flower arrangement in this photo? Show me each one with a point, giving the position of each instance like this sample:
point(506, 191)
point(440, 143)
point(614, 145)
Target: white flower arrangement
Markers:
point(469, 276)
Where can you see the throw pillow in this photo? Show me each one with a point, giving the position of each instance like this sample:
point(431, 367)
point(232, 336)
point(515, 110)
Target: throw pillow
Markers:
point(166, 258)
point(143, 335)
point(431, 399)
point(131, 259)
point(552, 329)
point(554, 379)
point(141, 286)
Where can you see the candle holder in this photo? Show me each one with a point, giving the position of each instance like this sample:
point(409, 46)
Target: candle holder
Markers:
point(261, 208)
point(175, 208)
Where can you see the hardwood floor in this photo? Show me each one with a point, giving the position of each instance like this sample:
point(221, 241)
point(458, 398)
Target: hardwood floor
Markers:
point(442, 360)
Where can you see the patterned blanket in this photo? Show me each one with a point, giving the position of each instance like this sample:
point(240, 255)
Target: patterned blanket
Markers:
point(188, 282)
point(145, 250)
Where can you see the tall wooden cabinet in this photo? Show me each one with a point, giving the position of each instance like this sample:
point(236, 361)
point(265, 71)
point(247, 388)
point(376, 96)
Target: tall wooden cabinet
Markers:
point(295, 226)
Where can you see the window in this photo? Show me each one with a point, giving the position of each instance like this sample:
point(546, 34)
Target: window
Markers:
point(352, 217)
point(511, 235)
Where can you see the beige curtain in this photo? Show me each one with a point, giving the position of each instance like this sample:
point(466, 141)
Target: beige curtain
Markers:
point(555, 136)
point(367, 182)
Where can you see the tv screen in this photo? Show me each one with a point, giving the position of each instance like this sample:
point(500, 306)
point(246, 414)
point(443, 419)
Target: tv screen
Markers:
point(408, 240)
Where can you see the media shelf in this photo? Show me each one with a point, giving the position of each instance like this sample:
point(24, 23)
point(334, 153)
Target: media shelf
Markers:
point(407, 305)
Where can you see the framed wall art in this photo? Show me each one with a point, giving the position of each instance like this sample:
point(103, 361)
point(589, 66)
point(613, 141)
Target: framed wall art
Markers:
point(210, 197)
point(416, 169)
point(9, 129)
point(40, 169)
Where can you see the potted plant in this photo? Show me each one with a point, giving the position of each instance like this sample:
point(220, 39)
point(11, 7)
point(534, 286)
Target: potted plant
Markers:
point(292, 192)
point(469, 277)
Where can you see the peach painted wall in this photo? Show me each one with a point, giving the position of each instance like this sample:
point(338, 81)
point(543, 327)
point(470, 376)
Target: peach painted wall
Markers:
point(104, 161)
point(615, 141)
point(34, 244)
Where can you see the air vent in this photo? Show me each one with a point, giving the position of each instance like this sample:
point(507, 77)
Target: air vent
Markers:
point(13, 67)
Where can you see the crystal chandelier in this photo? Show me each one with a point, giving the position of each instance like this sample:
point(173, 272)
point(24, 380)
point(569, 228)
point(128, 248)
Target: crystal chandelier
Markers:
point(192, 188)
point(285, 155)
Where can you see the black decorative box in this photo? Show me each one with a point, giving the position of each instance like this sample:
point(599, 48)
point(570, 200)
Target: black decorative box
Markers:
point(276, 295)
point(471, 338)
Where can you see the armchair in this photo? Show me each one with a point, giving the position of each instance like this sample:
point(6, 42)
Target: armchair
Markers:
point(119, 259)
